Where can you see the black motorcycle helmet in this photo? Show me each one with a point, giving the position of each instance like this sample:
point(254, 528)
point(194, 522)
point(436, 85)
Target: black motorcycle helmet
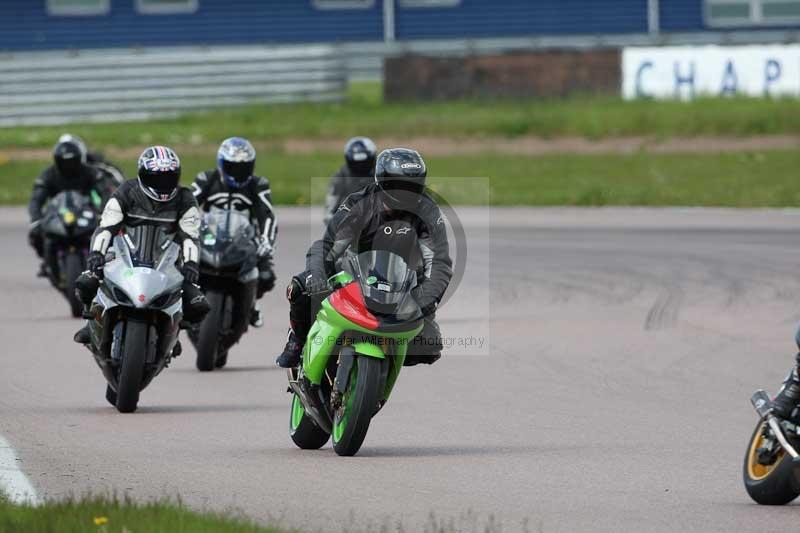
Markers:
point(159, 171)
point(400, 174)
point(359, 153)
point(69, 157)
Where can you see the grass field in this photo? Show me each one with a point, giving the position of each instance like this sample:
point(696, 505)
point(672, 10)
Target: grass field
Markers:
point(108, 515)
point(767, 178)
point(754, 179)
point(364, 113)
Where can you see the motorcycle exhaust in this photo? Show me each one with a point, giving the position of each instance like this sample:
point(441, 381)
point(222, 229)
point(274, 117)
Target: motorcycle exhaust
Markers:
point(312, 403)
point(763, 406)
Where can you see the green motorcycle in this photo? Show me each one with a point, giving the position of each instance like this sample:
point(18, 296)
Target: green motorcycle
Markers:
point(354, 351)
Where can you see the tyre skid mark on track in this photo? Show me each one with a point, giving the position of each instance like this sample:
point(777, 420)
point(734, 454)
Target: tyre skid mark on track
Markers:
point(13, 481)
point(664, 311)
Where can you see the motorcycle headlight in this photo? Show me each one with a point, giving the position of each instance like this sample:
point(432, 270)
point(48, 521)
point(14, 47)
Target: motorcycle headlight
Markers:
point(161, 301)
point(121, 297)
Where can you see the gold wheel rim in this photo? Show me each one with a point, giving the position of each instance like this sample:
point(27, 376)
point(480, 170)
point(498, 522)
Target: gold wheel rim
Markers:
point(755, 470)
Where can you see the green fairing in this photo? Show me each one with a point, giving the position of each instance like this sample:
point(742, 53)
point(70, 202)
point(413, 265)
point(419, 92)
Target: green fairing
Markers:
point(325, 334)
point(367, 348)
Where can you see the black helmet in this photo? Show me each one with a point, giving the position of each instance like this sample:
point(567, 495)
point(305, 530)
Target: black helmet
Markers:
point(359, 152)
point(69, 157)
point(159, 172)
point(400, 174)
point(68, 137)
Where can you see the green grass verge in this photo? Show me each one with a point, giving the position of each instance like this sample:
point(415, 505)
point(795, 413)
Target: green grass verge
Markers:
point(108, 515)
point(365, 113)
point(750, 179)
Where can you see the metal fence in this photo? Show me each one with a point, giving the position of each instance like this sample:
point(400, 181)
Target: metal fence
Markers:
point(109, 85)
point(120, 84)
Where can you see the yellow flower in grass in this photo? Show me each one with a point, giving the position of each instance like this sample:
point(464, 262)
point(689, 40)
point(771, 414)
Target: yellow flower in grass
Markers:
point(100, 520)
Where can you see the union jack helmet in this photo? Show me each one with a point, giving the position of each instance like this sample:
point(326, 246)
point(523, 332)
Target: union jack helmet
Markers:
point(159, 172)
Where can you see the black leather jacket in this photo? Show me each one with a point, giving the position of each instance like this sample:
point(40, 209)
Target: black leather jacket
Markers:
point(343, 184)
point(255, 199)
point(130, 206)
point(363, 223)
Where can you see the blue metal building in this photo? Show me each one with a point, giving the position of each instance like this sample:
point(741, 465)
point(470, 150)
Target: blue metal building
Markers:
point(81, 24)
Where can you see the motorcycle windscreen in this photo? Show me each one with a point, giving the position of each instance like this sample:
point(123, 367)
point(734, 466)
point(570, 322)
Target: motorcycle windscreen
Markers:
point(227, 224)
point(227, 237)
point(385, 279)
point(148, 245)
point(69, 213)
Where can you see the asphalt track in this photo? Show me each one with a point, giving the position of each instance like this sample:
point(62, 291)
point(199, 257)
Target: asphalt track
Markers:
point(611, 394)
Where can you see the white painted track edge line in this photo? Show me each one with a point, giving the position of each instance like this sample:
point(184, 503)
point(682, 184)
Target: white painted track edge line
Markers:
point(13, 482)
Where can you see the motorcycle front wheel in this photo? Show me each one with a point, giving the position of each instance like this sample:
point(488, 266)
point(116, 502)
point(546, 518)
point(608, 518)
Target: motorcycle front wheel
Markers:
point(132, 367)
point(359, 403)
point(209, 332)
point(773, 484)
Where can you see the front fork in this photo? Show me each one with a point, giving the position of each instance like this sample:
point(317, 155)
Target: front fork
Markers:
point(763, 406)
point(320, 409)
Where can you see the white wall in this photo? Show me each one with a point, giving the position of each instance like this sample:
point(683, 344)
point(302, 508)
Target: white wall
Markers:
point(688, 71)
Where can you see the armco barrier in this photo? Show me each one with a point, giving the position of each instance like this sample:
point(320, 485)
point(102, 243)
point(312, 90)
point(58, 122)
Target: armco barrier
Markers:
point(108, 85)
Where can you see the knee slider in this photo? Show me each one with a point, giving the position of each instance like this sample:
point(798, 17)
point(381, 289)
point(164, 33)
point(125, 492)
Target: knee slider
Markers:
point(295, 289)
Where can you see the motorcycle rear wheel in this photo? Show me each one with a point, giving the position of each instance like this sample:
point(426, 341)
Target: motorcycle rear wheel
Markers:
point(304, 432)
point(360, 402)
point(773, 484)
point(132, 368)
point(209, 332)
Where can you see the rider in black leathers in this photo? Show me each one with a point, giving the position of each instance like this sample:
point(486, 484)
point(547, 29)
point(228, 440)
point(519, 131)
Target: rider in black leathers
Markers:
point(112, 176)
point(357, 172)
point(394, 206)
point(232, 185)
point(155, 198)
point(69, 171)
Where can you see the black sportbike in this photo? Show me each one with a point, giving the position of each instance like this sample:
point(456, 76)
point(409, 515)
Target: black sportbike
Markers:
point(229, 276)
point(67, 225)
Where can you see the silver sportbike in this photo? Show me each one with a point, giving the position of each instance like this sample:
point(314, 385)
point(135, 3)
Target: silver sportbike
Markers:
point(135, 318)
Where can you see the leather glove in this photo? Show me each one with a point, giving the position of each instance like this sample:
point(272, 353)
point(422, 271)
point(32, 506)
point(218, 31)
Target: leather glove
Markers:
point(264, 249)
point(418, 294)
point(266, 281)
point(95, 262)
point(191, 272)
point(34, 235)
point(316, 282)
